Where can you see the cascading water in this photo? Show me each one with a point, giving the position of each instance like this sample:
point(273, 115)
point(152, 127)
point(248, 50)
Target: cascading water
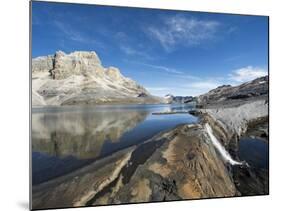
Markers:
point(226, 156)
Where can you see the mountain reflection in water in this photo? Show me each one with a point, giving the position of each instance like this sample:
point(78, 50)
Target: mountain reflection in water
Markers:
point(66, 138)
point(80, 134)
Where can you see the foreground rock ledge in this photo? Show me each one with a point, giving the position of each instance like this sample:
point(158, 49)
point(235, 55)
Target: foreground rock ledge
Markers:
point(234, 112)
point(179, 164)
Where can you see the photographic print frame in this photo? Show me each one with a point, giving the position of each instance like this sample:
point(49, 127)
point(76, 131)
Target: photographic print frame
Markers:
point(57, 66)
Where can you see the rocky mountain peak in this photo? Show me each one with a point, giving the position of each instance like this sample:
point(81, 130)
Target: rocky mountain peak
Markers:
point(168, 95)
point(76, 63)
point(59, 54)
point(257, 88)
point(80, 78)
point(220, 89)
point(178, 99)
point(114, 73)
point(87, 55)
point(43, 63)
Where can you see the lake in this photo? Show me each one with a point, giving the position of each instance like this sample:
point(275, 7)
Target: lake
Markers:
point(255, 151)
point(67, 138)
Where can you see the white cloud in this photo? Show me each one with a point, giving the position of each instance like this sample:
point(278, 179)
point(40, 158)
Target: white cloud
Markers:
point(186, 89)
point(172, 71)
point(195, 86)
point(69, 32)
point(181, 30)
point(247, 74)
point(237, 77)
point(187, 77)
point(132, 52)
point(123, 41)
point(232, 29)
point(128, 50)
point(166, 69)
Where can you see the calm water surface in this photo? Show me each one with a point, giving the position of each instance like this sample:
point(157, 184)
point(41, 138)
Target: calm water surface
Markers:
point(67, 138)
point(254, 151)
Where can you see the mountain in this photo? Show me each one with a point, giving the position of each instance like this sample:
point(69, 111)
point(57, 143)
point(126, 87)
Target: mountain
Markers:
point(178, 99)
point(227, 94)
point(80, 78)
point(232, 110)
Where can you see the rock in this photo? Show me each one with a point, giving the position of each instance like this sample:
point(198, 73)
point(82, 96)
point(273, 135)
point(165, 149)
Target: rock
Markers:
point(230, 110)
point(258, 128)
point(251, 181)
point(239, 111)
point(142, 95)
point(43, 63)
point(227, 94)
point(76, 63)
point(177, 169)
point(114, 73)
point(78, 187)
point(37, 99)
point(235, 119)
point(178, 99)
point(173, 165)
point(194, 112)
point(80, 78)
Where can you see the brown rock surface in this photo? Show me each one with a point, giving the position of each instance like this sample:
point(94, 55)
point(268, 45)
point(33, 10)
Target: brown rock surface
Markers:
point(177, 164)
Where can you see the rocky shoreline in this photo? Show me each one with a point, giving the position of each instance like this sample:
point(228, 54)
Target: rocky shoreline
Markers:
point(230, 118)
point(178, 164)
point(245, 115)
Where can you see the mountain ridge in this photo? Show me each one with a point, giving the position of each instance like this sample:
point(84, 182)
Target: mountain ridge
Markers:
point(80, 78)
point(226, 94)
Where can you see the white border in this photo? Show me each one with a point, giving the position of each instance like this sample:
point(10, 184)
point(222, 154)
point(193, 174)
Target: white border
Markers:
point(15, 102)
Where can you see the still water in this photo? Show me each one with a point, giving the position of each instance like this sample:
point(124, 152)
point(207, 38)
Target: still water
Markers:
point(67, 138)
point(255, 151)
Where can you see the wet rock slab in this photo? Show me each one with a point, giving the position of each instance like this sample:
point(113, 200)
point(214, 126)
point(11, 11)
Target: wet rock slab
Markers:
point(75, 189)
point(177, 164)
point(185, 166)
point(251, 181)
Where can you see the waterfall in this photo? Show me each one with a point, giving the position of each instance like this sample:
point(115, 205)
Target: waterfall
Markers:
point(226, 156)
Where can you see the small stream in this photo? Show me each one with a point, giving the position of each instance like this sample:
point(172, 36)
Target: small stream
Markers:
point(220, 148)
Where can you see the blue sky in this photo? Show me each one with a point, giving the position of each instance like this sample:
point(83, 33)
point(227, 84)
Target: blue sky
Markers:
point(182, 53)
